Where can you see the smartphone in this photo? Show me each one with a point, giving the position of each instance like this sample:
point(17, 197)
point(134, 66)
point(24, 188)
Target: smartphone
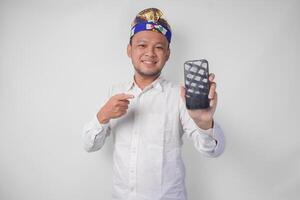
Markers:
point(196, 73)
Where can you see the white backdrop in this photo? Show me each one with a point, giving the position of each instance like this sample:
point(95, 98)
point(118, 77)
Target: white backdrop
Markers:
point(57, 58)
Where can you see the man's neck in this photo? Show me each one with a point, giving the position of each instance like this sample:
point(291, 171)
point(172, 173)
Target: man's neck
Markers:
point(143, 81)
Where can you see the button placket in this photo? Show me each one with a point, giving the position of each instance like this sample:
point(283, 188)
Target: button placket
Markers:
point(133, 154)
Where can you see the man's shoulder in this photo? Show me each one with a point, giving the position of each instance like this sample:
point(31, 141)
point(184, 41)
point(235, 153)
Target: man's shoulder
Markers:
point(120, 87)
point(170, 85)
point(123, 84)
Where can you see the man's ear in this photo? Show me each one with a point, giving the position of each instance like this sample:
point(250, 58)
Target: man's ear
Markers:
point(129, 50)
point(168, 53)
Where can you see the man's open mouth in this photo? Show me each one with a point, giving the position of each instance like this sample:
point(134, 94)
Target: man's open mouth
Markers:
point(148, 62)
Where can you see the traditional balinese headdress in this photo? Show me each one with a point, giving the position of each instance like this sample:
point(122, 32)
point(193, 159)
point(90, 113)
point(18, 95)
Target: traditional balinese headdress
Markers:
point(150, 19)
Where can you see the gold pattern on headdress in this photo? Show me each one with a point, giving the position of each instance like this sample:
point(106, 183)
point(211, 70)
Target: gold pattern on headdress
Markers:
point(150, 14)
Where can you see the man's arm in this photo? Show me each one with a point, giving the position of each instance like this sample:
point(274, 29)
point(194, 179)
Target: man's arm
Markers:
point(210, 142)
point(198, 125)
point(94, 135)
point(96, 131)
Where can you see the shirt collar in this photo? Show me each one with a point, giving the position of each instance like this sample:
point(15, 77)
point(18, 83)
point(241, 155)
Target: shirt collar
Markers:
point(156, 84)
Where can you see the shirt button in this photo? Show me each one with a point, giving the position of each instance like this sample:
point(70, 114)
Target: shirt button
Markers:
point(132, 189)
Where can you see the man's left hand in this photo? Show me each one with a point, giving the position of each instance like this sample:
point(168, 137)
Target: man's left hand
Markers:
point(204, 117)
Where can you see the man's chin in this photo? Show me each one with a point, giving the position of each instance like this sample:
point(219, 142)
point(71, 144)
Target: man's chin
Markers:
point(148, 73)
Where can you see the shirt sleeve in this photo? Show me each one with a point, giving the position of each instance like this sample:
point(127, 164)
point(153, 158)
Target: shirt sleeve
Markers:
point(94, 133)
point(209, 142)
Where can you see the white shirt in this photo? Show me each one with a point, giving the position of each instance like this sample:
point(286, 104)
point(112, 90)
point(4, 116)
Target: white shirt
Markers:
point(147, 162)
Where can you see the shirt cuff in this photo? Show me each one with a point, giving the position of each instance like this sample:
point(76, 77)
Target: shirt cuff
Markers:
point(99, 126)
point(211, 140)
point(207, 132)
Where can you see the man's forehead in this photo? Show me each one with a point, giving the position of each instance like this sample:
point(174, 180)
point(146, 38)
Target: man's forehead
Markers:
point(150, 36)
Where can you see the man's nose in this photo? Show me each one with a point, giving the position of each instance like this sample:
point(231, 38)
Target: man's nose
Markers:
point(150, 52)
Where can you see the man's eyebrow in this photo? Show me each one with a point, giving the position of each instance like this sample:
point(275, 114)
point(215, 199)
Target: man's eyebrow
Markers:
point(145, 41)
point(142, 40)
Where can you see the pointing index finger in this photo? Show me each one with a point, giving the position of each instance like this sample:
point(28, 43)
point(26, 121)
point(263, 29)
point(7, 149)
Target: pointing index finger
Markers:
point(124, 96)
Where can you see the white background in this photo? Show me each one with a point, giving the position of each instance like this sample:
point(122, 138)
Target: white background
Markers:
point(58, 58)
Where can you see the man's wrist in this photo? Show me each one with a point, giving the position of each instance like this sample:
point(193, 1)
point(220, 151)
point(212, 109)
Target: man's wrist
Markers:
point(205, 125)
point(102, 119)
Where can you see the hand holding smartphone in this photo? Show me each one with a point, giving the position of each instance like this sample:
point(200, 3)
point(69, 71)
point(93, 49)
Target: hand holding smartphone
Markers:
point(196, 74)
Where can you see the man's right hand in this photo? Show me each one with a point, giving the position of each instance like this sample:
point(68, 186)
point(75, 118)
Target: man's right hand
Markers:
point(115, 107)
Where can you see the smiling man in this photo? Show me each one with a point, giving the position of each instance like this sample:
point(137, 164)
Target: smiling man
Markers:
point(147, 118)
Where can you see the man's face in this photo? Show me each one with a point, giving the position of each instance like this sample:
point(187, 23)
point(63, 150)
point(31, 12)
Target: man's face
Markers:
point(149, 52)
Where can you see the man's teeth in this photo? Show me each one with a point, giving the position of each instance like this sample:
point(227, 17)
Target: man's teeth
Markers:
point(149, 62)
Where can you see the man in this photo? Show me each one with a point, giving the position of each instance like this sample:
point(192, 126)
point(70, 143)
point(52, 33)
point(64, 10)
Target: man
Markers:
point(147, 118)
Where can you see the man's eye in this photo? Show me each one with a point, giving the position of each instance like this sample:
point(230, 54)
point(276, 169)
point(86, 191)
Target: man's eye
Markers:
point(141, 45)
point(159, 47)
